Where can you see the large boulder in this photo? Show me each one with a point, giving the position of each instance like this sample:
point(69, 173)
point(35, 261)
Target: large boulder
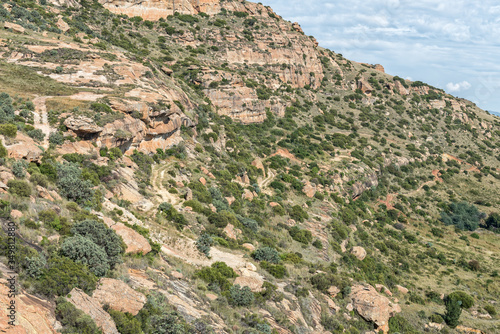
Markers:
point(372, 306)
point(92, 307)
point(119, 296)
point(359, 252)
point(82, 125)
point(135, 242)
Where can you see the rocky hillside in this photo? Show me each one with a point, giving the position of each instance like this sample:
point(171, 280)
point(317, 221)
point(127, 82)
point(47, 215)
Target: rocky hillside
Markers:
point(204, 166)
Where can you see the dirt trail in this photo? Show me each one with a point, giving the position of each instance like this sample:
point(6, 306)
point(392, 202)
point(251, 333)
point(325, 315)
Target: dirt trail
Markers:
point(162, 194)
point(41, 118)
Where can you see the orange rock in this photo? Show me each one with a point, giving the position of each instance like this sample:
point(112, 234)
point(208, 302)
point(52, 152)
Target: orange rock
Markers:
point(16, 214)
point(119, 296)
point(203, 180)
point(34, 315)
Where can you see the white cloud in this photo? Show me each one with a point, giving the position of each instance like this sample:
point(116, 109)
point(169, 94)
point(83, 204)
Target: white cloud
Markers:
point(441, 43)
point(457, 87)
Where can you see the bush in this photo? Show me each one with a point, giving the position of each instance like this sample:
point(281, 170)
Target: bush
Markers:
point(398, 324)
point(73, 319)
point(71, 184)
point(3, 150)
point(463, 215)
point(493, 221)
point(217, 276)
point(277, 270)
point(171, 214)
point(204, 243)
point(39, 180)
point(466, 300)
point(36, 134)
point(490, 309)
point(126, 323)
point(303, 236)
point(62, 275)
point(298, 214)
point(102, 236)
point(18, 169)
point(19, 188)
point(436, 318)
point(222, 218)
point(267, 254)
point(83, 250)
point(239, 296)
point(8, 130)
point(56, 138)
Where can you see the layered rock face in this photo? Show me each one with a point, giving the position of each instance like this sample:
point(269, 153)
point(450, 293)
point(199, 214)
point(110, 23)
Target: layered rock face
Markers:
point(119, 296)
point(156, 9)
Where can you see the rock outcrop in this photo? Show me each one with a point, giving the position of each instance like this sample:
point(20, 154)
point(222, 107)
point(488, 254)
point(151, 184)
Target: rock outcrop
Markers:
point(359, 252)
point(82, 125)
point(372, 306)
point(34, 315)
point(119, 296)
point(156, 9)
point(92, 307)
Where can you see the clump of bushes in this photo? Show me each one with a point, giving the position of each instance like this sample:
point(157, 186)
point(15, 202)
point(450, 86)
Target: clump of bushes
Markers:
point(267, 254)
point(463, 215)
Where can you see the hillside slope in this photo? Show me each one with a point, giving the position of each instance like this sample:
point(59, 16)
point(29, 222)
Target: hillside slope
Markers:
point(213, 169)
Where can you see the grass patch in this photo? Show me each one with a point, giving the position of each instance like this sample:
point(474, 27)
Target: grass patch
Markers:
point(22, 80)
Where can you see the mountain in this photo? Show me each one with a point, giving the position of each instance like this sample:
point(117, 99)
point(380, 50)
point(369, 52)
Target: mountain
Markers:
point(213, 169)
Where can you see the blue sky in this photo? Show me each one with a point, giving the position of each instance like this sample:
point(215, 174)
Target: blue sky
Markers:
point(450, 44)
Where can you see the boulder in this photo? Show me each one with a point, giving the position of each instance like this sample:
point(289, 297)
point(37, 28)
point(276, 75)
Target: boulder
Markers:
point(359, 252)
point(15, 214)
point(248, 246)
point(203, 180)
point(92, 307)
point(333, 291)
point(82, 125)
point(402, 289)
point(135, 242)
point(189, 194)
point(14, 27)
point(231, 231)
point(119, 296)
point(247, 194)
point(176, 274)
point(62, 25)
point(372, 306)
point(24, 148)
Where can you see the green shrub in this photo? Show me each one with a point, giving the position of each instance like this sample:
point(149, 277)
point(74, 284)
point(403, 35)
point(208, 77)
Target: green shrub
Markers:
point(493, 221)
point(436, 318)
point(298, 214)
point(39, 180)
point(222, 218)
point(62, 275)
point(303, 236)
point(3, 150)
point(398, 324)
point(167, 210)
point(72, 185)
point(490, 309)
point(463, 215)
point(466, 300)
point(8, 130)
point(239, 296)
point(277, 270)
point(83, 250)
point(102, 236)
point(73, 319)
point(36, 134)
point(19, 188)
point(203, 244)
point(453, 311)
point(125, 323)
point(217, 276)
point(267, 254)
point(56, 138)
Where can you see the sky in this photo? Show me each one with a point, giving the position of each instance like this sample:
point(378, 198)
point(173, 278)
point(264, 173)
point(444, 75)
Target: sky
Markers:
point(449, 44)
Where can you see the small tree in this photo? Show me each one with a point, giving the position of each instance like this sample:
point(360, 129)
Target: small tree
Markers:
point(463, 215)
point(83, 250)
point(453, 311)
point(239, 296)
point(267, 254)
point(204, 243)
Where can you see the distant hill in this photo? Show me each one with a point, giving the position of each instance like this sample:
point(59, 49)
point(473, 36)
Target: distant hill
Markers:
point(496, 113)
